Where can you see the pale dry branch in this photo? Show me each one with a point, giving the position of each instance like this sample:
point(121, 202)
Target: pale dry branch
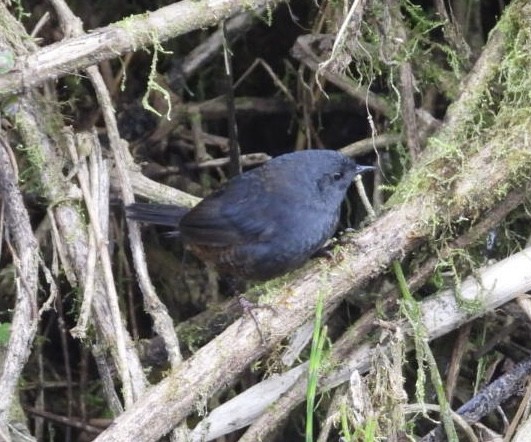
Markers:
point(25, 256)
point(131, 34)
point(32, 118)
point(493, 287)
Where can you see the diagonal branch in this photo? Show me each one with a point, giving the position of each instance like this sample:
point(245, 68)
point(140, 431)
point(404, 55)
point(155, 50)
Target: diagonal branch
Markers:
point(131, 34)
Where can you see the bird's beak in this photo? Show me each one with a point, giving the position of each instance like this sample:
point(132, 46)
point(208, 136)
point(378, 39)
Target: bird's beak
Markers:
point(362, 169)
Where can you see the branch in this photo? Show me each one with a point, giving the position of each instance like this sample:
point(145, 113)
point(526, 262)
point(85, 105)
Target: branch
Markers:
point(25, 255)
point(440, 315)
point(32, 122)
point(130, 34)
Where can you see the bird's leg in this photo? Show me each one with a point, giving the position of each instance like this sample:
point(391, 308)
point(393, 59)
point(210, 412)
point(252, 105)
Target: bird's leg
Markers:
point(249, 307)
point(327, 250)
point(237, 287)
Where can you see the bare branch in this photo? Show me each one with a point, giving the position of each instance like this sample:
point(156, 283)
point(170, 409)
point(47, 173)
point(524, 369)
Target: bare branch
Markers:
point(25, 256)
point(131, 34)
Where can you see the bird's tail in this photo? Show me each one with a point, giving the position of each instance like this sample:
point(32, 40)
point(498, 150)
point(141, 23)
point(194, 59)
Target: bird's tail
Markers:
point(162, 214)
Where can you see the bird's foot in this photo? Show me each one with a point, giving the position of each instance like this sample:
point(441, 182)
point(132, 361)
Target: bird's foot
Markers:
point(249, 307)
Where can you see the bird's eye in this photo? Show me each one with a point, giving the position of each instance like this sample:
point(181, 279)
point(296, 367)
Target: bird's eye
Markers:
point(337, 176)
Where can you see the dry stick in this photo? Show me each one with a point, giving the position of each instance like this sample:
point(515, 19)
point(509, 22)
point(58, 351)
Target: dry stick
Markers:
point(309, 90)
point(67, 364)
point(201, 153)
point(235, 165)
point(522, 435)
point(130, 34)
point(524, 404)
point(113, 87)
point(407, 99)
point(303, 52)
point(419, 408)
point(107, 383)
point(453, 34)
point(489, 397)
point(304, 136)
point(30, 119)
point(54, 290)
point(458, 353)
point(38, 431)
point(524, 303)
point(163, 324)
point(103, 252)
point(25, 258)
point(407, 107)
point(144, 187)
point(80, 330)
point(99, 190)
point(369, 144)
point(210, 48)
point(216, 108)
point(278, 83)
point(40, 24)
point(364, 198)
point(66, 421)
point(210, 139)
point(61, 249)
point(251, 159)
point(352, 19)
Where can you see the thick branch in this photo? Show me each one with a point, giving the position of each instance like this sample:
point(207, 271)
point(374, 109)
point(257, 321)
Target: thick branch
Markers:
point(132, 33)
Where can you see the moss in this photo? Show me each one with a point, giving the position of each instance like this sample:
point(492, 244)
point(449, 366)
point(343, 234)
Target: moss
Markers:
point(152, 84)
point(4, 333)
point(491, 134)
point(192, 337)
point(500, 113)
point(139, 34)
point(130, 25)
point(36, 172)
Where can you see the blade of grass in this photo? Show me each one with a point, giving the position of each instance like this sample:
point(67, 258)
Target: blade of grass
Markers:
point(316, 355)
point(411, 310)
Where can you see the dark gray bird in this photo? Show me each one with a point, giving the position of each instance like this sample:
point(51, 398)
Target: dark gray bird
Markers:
point(267, 221)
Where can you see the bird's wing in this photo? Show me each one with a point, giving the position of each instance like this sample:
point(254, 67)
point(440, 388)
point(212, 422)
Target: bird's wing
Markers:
point(237, 213)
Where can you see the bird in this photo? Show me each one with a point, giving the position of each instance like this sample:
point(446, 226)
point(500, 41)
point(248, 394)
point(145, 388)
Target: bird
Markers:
point(266, 221)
